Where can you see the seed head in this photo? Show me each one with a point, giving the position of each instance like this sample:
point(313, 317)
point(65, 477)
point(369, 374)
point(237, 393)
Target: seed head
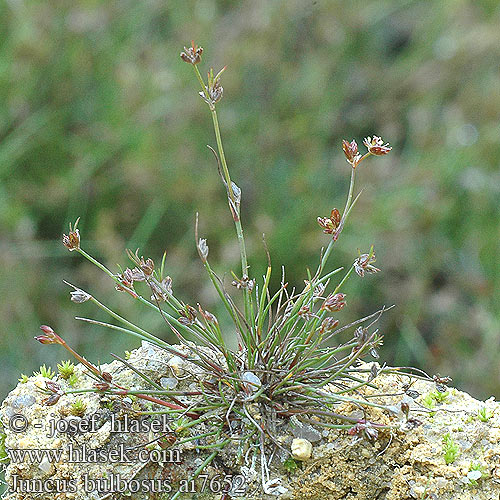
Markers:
point(147, 266)
point(305, 313)
point(135, 274)
point(371, 432)
point(364, 264)
point(441, 380)
point(376, 146)
point(53, 386)
point(79, 296)
point(187, 315)
point(328, 325)
point(244, 282)
point(412, 423)
point(361, 335)
point(52, 399)
point(46, 329)
point(203, 249)
point(365, 427)
point(101, 386)
point(126, 282)
point(213, 91)
point(161, 289)
point(192, 55)
point(207, 316)
point(405, 408)
point(334, 302)
point(72, 240)
point(330, 224)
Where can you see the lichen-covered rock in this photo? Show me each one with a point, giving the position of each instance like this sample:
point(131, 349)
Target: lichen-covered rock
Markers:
point(448, 448)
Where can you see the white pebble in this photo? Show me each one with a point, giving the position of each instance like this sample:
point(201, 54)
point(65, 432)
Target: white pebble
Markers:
point(301, 449)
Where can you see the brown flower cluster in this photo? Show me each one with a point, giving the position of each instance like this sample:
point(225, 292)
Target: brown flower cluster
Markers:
point(244, 282)
point(328, 325)
point(330, 224)
point(213, 91)
point(334, 302)
point(72, 240)
point(364, 264)
point(375, 146)
point(192, 55)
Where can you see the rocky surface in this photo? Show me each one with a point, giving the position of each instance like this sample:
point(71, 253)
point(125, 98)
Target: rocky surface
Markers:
point(449, 449)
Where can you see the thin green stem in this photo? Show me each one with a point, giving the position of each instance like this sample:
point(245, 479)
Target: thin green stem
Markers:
point(344, 279)
point(234, 204)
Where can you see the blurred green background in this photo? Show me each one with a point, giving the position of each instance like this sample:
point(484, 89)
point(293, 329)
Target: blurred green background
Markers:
point(99, 118)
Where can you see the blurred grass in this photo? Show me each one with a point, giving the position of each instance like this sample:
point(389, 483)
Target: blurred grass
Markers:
point(99, 118)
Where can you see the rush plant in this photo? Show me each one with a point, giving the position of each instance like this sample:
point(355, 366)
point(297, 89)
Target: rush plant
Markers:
point(295, 358)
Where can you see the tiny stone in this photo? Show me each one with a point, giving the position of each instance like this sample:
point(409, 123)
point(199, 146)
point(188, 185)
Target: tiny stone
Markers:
point(10, 412)
point(254, 381)
point(474, 475)
point(394, 409)
point(169, 382)
point(301, 449)
point(45, 465)
point(23, 401)
point(307, 432)
point(176, 363)
point(413, 394)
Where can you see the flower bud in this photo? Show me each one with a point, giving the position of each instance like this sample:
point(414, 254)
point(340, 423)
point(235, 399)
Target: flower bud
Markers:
point(207, 316)
point(50, 336)
point(72, 240)
point(203, 249)
point(351, 152)
point(43, 339)
point(147, 266)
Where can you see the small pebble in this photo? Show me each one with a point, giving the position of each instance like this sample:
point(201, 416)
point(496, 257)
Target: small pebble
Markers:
point(169, 382)
point(23, 401)
point(301, 449)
